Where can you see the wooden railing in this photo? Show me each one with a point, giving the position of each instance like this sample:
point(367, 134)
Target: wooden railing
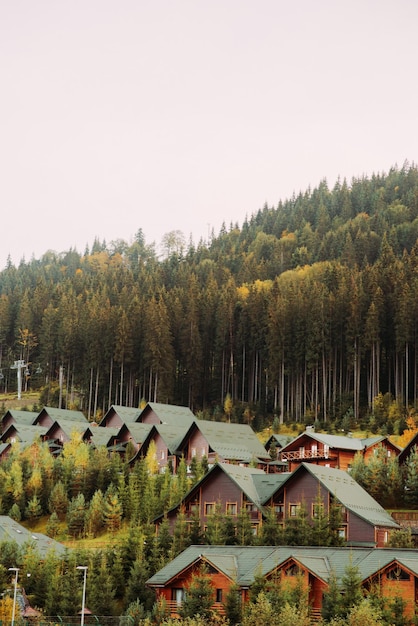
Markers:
point(173, 608)
point(298, 455)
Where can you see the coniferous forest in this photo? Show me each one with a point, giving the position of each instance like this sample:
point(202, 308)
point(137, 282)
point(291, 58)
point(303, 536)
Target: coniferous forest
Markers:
point(307, 311)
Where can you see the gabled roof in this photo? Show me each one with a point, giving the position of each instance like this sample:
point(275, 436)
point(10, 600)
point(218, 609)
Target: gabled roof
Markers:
point(68, 426)
point(232, 441)
point(102, 436)
point(127, 414)
point(12, 531)
point(348, 492)
point(356, 444)
point(169, 413)
point(62, 414)
point(279, 441)
point(247, 561)
point(20, 417)
point(406, 451)
point(138, 432)
point(23, 433)
point(254, 483)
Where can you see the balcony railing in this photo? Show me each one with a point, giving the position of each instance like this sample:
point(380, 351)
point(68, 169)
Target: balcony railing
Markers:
point(299, 455)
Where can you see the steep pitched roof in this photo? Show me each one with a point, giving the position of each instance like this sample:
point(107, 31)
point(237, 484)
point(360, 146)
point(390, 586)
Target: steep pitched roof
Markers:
point(242, 563)
point(232, 441)
point(23, 433)
point(126, 413)
point(169, 413)
point(69, 426)
point(20, 417)
point(12, 531)
point(62, 414)
point(102, 436)
point(349, 493)
point(138, 431)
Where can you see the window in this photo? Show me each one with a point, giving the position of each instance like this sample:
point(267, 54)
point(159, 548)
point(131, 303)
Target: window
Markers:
point(317, 510)
point(177, 595)
point(293, 570)
point(326, 450)
point(209, 508)
point(218, 595)
point(193, 452)
point(162, 455)
point(231, 508)
point(279, 509)
point(293, 509)
point(342, 532)
point(397, 573)
point(302, 452)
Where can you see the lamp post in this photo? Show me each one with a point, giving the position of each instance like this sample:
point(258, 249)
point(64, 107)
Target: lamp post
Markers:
point(82, 567)
point(16, 570)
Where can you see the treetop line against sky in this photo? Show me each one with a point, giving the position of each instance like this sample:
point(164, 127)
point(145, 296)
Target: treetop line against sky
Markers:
point(182, 115)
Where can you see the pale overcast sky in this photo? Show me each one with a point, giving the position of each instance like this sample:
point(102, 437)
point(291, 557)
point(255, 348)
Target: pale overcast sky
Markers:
point(169, 115)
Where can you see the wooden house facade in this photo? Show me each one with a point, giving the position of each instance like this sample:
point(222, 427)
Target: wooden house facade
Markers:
point(393, 572)
point(333, 450)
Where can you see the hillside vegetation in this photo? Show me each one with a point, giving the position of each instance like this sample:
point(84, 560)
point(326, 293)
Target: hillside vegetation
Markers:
point(307, 311)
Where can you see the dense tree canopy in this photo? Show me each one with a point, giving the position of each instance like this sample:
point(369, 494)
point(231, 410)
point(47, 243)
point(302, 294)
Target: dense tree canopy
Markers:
point(307, 311)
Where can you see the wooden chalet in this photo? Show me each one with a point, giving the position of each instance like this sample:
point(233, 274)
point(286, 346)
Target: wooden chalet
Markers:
point(59, 432)
point(158, 413)
point(119, 415)
point(223, 442)
point(393, 571)
point(230, 488)
point(49, 415)
point(363, 520)
point(332, 450)
point(166, 438)
point(26, 435)
point(12, 416)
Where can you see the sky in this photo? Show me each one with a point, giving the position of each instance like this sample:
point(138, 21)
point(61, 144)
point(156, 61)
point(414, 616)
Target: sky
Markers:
point(165, 115)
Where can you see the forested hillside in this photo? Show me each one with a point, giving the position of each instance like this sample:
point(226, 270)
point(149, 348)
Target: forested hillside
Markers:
point(307, 311)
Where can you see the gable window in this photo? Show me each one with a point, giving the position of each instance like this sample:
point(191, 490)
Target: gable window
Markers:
point(231, 508)
point(218, 595)
point(302, 452)
point(293, 509)
point(326, 450)
point(193, 452)
point(209, 508)
point(162, 455)
point(397, 573)
point(293, 570)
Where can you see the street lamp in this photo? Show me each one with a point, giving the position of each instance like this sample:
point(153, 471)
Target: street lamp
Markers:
point(82, 567)
point(16, 570)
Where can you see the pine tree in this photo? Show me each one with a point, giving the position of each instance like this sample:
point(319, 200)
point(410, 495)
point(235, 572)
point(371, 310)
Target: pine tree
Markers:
point(199, 596)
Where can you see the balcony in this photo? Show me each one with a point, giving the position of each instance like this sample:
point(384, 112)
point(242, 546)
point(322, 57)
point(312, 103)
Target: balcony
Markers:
point(303, 455)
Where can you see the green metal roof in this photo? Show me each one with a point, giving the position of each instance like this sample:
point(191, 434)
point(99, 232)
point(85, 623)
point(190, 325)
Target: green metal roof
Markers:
point(126, 413)
point(68, 426)
point(64, 414)
point(138, 431)
point(347, 491)
point(21, 417)
point(12, 531)
point(24, 432)
point(243, 563)
point(232, 441)
point(171, 413)
point(339, 441)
